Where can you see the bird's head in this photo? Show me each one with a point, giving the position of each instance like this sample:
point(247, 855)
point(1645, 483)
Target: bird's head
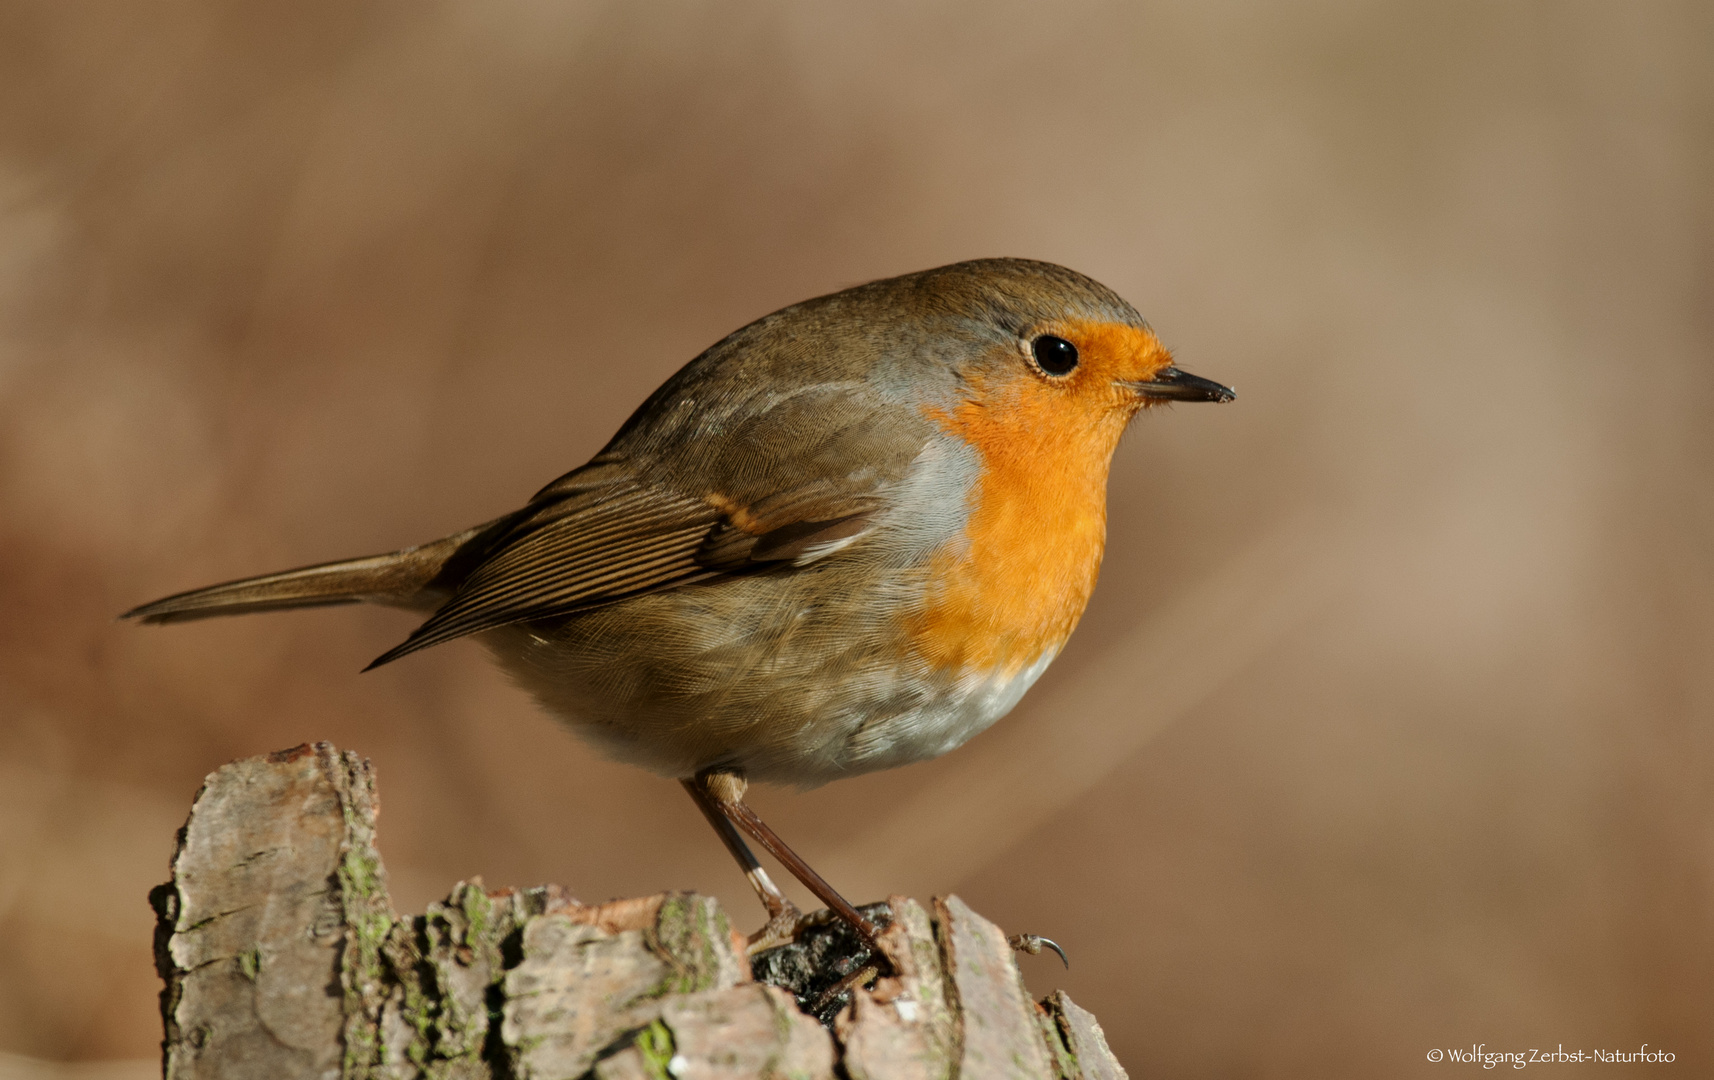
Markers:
point(1047, 358)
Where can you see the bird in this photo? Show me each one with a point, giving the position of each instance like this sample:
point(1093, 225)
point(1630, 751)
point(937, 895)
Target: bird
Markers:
point(846, 537)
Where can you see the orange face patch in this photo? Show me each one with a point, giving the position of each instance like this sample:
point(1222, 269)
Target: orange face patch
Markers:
point(1019, 582)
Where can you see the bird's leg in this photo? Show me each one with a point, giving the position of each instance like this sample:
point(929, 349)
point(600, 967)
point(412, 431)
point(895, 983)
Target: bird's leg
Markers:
point(725, 791)
point(783, 915)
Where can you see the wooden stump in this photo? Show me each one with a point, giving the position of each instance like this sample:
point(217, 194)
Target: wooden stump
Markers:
point(282, 957)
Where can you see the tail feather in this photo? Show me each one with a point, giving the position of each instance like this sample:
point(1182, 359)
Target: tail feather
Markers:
point(418, 577)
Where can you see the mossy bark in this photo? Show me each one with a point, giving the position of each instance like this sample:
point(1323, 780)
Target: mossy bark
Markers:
point(282, 957)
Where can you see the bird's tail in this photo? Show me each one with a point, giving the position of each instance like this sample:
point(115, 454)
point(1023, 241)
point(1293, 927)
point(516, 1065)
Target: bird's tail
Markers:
point(418, 577)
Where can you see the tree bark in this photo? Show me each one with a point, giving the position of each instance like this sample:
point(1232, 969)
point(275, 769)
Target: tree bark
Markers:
point(282, 957)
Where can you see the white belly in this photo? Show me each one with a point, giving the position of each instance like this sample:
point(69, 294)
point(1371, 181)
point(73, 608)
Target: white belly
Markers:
point(968, 707)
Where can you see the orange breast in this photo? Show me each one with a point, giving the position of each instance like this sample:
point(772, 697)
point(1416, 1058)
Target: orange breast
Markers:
point(1017, 584)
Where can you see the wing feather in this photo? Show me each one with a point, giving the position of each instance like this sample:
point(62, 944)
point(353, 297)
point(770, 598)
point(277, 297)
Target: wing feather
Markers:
point(611, 546)
point(602, 533)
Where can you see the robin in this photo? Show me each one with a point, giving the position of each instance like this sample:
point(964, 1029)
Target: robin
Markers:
point(848, 536)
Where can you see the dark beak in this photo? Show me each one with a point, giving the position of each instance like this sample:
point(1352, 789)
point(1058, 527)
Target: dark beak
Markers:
point(1171, 384)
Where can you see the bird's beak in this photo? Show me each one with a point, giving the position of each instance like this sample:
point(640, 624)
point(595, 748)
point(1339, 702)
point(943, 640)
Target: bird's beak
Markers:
point(1171, 384)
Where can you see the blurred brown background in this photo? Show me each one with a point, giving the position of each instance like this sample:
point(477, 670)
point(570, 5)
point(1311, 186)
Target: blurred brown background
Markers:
point(1389, 727)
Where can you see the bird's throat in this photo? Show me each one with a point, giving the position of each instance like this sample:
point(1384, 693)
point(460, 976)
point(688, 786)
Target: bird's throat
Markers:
point(1014, 585)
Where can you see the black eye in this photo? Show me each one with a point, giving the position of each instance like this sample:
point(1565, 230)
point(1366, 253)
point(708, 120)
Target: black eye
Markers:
point(1056, 355)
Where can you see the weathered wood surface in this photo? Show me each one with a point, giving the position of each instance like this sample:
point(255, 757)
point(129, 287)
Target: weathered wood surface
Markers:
point(282, 957)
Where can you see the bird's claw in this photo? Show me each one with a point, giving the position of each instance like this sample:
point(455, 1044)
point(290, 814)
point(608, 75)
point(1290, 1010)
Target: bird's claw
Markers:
point(1035, 943)
point(780, 929)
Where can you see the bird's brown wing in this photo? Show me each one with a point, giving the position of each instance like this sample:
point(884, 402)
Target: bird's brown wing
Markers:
point(600, 535)
point(700, 486)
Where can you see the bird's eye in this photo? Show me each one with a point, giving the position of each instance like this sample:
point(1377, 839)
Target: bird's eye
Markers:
point(1054, 355)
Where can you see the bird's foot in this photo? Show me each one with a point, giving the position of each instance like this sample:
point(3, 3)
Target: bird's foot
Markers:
point(780, 929)
point(1035, 943)
point(826, 961)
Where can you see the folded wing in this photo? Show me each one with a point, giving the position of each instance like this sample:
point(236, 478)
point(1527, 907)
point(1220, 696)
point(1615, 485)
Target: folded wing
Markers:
point(607, 537)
